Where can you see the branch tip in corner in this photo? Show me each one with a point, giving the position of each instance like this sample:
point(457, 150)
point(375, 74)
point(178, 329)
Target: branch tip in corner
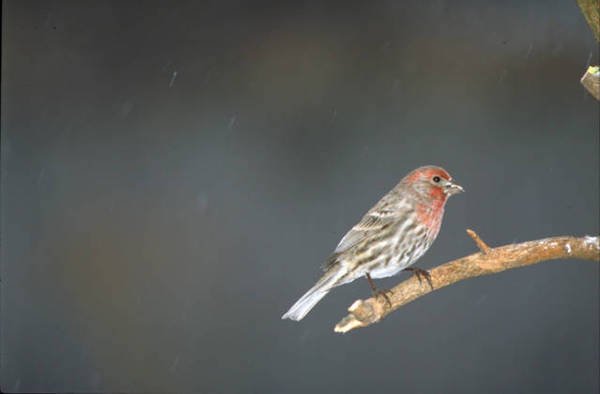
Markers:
point(485, 249)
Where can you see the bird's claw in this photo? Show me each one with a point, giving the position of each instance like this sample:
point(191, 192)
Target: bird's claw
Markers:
point(378, 293)
point(419, 273)
point(384, 295)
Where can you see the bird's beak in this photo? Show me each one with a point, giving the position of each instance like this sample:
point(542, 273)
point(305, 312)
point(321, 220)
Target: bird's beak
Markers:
point(451, 188)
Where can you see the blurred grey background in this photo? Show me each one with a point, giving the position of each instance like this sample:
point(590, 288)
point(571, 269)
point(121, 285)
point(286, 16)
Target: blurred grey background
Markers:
point(175, 173)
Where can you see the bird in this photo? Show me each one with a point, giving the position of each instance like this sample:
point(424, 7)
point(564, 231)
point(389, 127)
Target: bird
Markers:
point(389, 238)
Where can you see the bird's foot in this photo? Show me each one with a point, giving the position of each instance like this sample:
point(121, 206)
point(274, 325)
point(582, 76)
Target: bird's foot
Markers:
point(383, 294)
point(379, 293)
point(420, 273)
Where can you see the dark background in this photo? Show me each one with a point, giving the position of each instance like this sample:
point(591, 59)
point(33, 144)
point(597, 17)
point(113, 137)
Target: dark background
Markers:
point(175, 173)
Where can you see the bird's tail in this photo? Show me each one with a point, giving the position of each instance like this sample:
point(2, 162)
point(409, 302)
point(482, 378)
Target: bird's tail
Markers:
point(327, 282)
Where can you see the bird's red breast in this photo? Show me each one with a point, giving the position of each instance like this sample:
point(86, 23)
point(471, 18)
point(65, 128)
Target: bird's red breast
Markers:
point(430, 215)
point(430, 210)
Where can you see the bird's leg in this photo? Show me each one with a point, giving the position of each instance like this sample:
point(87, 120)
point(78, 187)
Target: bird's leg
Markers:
point(376, 291)
point(371, 283)
point(418, 272)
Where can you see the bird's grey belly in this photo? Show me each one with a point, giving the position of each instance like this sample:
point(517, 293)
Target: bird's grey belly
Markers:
point(385, 271)
point(397, 263)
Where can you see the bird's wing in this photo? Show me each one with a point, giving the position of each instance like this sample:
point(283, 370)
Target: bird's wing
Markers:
point(380, 217)
point(372, 223)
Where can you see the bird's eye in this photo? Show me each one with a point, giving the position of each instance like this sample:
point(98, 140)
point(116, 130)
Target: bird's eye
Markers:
point(437, 179)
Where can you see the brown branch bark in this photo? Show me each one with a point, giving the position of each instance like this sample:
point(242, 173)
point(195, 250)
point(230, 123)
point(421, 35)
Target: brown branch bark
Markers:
point(486, 262)
point(591, 11)
point(591, 81)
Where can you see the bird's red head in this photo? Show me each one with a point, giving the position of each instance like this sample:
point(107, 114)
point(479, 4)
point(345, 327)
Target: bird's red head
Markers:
point(432, 182)
point(430, 187)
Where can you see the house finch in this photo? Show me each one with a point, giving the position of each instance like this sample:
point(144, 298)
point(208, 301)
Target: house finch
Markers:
point(391, 236)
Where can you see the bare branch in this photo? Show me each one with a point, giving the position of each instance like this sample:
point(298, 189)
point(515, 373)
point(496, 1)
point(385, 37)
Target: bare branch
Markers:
point(591, 11)
point(480, 244)
point(489, 261)
point(591, 81)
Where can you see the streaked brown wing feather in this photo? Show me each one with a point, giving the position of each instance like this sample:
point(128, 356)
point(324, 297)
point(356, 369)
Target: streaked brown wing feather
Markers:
point(368, 226)
point(374, 222)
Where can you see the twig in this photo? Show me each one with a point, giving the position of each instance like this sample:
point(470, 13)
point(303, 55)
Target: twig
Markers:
point(591, 81)
point(490, 261)
point(591, 11)
point(479, 242)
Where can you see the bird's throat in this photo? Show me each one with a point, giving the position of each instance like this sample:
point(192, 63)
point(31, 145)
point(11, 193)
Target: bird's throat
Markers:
point(430, 215)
